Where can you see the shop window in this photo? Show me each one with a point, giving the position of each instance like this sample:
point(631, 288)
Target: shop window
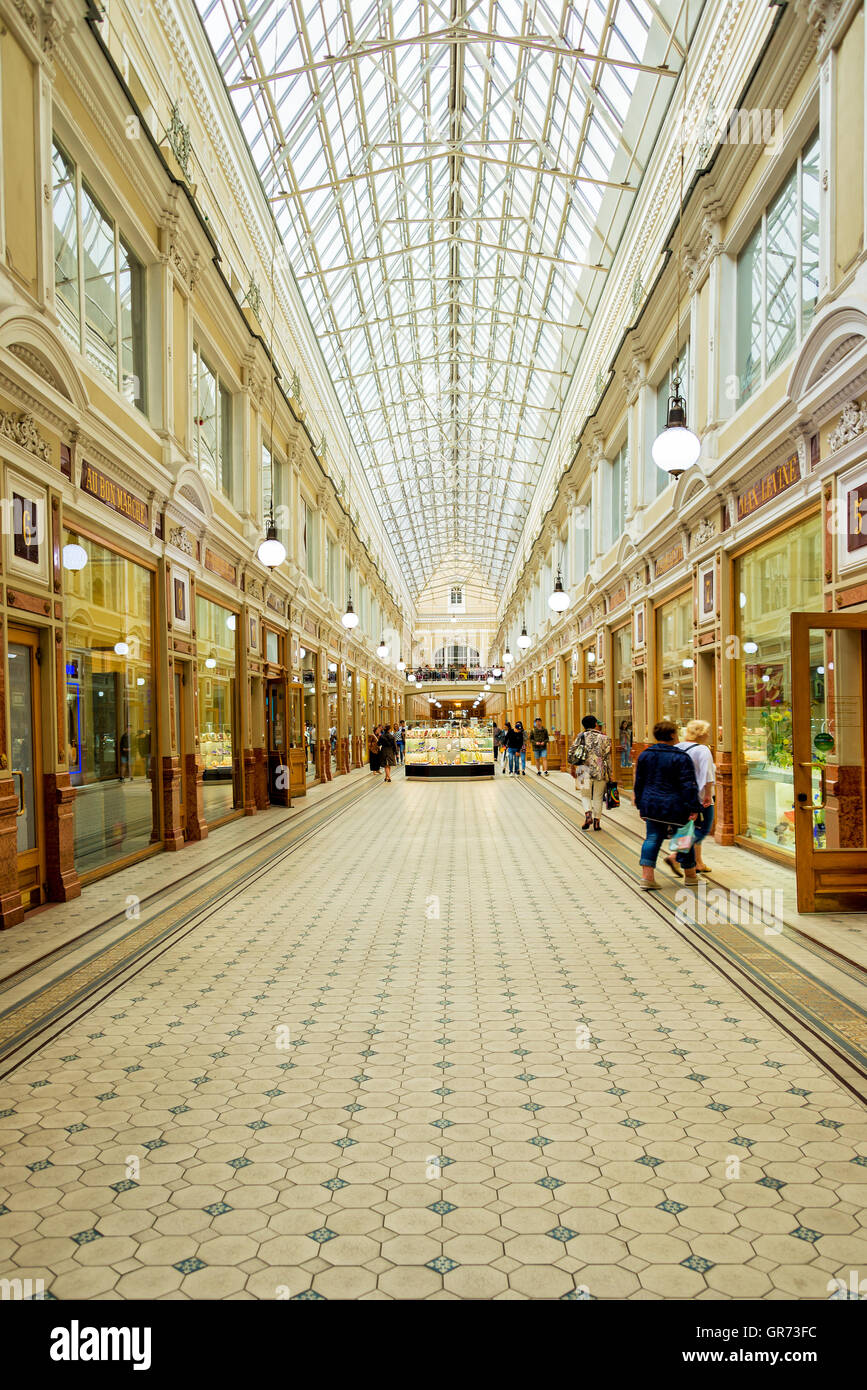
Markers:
point(309, 671)
point(771, 582)
point(778, 276)
point(212, 419)
point(621, 666)
point(675, 661)
point(217, 680)
point(110, 712)
point(99, 283)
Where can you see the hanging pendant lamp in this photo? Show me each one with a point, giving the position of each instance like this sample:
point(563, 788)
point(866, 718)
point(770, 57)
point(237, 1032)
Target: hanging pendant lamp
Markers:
point(559, 599)
point(350, 617)
point(272, 551)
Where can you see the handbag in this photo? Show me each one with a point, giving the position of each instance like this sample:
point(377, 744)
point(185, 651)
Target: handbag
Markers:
point(683, 839)
point(611, 796)
point(577, 754)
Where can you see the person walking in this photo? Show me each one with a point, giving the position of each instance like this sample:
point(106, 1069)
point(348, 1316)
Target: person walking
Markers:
point(496, 740)
point(514, 744)
point(593, 748)
point(522, 751)
point(373, 749)
point(696, 735)
point(539, 737)
point(504, 744)
point(666, 796)
point(400, 741)
point(387, 751)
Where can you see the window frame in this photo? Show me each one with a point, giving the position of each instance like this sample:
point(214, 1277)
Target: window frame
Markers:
point(759, 226)
point(120, 240)
point(225, 430)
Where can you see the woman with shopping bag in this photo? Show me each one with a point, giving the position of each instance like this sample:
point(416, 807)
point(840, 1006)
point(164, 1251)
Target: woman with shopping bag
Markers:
point(590, 755)
point(667, 797)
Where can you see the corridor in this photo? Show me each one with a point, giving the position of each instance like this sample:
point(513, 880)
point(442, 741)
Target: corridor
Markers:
point(423, 1041)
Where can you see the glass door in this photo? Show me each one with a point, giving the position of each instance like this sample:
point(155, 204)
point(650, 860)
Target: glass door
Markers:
point(829, 742)
point(26, 749)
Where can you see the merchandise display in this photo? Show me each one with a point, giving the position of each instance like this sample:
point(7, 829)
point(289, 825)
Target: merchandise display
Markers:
point(450, 750)
point(216, 750)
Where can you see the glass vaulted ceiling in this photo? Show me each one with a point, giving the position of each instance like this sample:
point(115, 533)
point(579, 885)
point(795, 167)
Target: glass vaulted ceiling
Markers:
point(450, 181)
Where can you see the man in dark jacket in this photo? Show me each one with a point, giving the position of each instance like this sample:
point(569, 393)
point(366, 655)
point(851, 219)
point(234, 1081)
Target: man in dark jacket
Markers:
point(666, 795)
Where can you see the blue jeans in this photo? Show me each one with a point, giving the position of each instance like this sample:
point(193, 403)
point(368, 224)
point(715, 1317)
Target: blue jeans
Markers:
point(514, 754)
point(524, 759)
point(655, 833)
point(704, 822)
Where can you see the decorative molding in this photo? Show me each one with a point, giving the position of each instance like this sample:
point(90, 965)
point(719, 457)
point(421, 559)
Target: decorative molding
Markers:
point(704, 532)
point(22, 430)
point(180, 539)
point(852, 423)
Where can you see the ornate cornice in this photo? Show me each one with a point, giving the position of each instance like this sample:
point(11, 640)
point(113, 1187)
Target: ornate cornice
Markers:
point(21, 429)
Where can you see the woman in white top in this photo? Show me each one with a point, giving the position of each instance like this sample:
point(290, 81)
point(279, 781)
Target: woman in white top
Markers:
point(695, 744)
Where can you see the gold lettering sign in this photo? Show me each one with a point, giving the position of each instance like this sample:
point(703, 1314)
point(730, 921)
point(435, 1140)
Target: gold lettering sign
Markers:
point(769, 486)
point(217, 565)
point(617, 598)
point(112, 495)
point(671, 558)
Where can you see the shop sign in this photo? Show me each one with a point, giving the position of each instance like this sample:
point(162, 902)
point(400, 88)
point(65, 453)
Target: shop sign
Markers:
point(217, 565)
point(275, 604)
point(617, 598)
point(576, 663)
point(310, 626)
point(112, 495)
point(856, 518)
point(671, 558)
point(586, 623)
point(769, 486)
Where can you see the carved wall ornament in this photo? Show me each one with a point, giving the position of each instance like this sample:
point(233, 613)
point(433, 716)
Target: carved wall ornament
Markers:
point(22, 430)
point(705, 531)
point(853, 422)
point(180, 539)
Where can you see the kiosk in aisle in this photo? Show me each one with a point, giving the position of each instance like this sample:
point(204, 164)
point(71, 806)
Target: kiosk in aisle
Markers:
point(450, 750)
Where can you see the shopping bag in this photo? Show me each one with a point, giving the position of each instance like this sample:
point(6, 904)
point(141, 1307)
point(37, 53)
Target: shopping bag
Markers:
point(683, 839)
point(577, 755)
point(612, 796)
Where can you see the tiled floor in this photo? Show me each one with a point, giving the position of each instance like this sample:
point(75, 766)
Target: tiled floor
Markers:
point(438, 1052)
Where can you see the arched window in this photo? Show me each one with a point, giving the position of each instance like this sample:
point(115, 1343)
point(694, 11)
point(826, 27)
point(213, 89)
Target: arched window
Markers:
point(456, 656)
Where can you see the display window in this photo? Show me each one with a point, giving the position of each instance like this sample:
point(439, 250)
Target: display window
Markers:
point(348, 721)
point(216, 631)
point(361, 688)
point(110, 705)
point(621, 677)
point(675, 662)
point(771, 581)
point(310, 683)
point(331, 712)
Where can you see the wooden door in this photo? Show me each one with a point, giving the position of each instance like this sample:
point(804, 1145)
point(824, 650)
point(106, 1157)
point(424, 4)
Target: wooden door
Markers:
point(25, 745)
point(829, 744)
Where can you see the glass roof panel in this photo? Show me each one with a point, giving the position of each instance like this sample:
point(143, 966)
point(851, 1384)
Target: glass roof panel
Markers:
point(437, 173)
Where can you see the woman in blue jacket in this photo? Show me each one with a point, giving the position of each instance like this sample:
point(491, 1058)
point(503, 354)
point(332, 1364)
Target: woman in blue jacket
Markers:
point(667, 796)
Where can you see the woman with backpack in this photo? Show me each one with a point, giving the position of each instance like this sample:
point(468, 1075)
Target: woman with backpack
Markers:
point(590, 754)
point(666, 797)
point(696, 735)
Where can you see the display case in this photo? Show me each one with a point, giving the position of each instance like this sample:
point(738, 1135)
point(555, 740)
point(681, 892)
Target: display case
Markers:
point(216, 749)
point(450, 750)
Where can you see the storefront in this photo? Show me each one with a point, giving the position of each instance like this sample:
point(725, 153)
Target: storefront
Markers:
point(622, 727)
point(217, 679)
point(110, 705)
point(310, 682)
point(361, 694)
point(332, 714)
point(675, 663)
point(773, 579)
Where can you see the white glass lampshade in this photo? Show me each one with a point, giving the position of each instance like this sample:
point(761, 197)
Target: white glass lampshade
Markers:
point(271, 552)
point(382, 650)
point(401, 664)
point(507, 657)
point(675, 450)
point(210, 662)
point(74, 556)
point(231, 622)
point(302, 652)
point(688, 662)
point(559, 599)
point(751, 647)
point(497, 672)
point(524, 640)
point(350, 617)
point(332, 666)
point(122, 648)
point(411, 678)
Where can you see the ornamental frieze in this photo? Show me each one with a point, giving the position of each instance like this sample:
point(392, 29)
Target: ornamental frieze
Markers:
point(22, 430)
